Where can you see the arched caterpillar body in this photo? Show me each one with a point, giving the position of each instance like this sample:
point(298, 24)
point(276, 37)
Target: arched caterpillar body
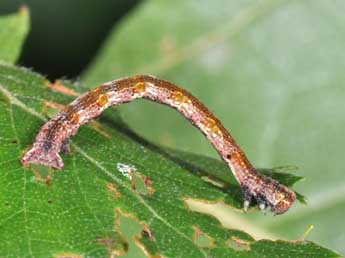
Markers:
point(54, 135)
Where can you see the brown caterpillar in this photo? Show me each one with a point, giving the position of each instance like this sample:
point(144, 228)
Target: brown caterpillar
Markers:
point(54, 135)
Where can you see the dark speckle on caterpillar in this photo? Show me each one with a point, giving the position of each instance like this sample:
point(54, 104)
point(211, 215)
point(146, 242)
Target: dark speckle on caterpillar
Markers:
point(54, 135)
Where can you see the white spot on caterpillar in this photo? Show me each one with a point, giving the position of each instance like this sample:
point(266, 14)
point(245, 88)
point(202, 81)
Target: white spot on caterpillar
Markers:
point(126, 170)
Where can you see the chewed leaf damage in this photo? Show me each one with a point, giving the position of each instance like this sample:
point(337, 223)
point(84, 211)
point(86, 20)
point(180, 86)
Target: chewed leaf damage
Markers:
point(132, 231)
point(238, 244)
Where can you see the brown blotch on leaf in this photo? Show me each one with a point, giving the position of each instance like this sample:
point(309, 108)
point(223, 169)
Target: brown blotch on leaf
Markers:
point(202, 239)
point(14, 141)
point(238, 244)
point(113, 191)
point(108, 242)
point(146, 232)
point(59, 87)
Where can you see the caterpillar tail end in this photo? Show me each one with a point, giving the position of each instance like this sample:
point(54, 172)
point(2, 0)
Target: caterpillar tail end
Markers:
point(38, 156)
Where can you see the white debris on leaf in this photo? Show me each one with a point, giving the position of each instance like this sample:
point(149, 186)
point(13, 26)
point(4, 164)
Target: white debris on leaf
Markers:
point(126, 170)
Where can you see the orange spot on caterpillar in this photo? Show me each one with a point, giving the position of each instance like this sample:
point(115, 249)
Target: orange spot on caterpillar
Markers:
point(179, 97)
point(212, 125)
point(66, 109)
point(140, 87)
point(49, 107)
point(95, 91)
point(239, 158)
point(102, 100)
point(74, 118)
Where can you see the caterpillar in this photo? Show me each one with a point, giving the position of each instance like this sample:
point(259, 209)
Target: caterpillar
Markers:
point(54, 134)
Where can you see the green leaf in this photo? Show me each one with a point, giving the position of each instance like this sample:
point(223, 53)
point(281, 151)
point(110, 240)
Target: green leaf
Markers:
point(92, 208)
point(13, 31)
point(272, 71)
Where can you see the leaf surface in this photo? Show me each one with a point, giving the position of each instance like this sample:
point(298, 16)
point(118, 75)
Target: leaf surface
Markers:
point(93, 209)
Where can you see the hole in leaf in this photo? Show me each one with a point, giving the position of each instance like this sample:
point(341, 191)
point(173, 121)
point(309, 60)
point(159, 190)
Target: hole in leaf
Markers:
point(43, 174)
point(238, 244)
point(202, 239)
point(141, 184)
point(131, 231)
point(213, 181)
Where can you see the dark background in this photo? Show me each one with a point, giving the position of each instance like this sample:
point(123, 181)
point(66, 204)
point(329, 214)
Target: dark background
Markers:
point(65, 35)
